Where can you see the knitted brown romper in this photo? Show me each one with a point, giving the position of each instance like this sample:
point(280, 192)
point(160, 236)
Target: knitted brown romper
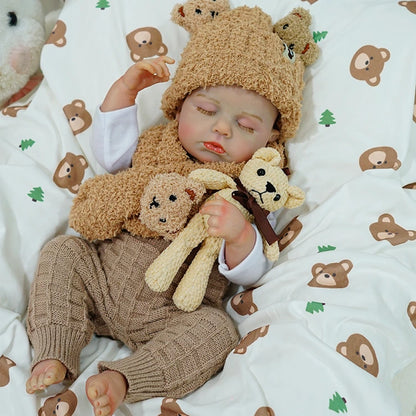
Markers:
point(81, 288)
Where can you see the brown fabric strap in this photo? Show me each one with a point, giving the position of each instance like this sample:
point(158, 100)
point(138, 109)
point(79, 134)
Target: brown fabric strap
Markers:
point(260, 214)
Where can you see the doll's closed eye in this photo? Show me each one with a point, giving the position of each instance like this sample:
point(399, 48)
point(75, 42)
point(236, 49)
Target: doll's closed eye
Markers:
point(205, 111)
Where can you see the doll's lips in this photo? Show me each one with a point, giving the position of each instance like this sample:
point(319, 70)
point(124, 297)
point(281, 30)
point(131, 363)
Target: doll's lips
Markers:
point(214, 147)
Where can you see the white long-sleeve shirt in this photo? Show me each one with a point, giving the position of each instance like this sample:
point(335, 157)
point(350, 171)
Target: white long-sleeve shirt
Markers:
point(113, 142)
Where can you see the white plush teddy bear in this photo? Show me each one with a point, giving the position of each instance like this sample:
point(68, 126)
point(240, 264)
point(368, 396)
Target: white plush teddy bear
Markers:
point(22, 36)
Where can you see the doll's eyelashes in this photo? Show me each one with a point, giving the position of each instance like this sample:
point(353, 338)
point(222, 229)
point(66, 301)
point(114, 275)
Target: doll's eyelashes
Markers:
point(12, 18)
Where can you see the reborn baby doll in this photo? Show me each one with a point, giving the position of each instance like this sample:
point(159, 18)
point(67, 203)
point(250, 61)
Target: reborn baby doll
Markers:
point(229, 63)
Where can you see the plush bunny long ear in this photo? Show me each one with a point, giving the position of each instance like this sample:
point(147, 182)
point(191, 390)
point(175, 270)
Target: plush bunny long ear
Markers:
point(296, 197)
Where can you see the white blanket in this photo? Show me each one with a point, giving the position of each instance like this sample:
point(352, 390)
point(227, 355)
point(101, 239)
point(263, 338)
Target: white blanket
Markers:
point(307, 348)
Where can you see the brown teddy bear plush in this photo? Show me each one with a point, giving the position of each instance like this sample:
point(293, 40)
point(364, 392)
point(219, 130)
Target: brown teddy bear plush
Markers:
point(262, 186)
point(195, 13)
point(293, 29)
point(168, 201)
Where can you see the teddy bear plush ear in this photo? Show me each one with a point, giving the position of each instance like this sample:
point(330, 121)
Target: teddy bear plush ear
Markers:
point(268, 154)
point(195, 189)
point(295, 198)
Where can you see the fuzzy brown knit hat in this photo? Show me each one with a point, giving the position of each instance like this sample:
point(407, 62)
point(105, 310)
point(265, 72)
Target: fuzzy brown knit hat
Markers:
point(239, 48)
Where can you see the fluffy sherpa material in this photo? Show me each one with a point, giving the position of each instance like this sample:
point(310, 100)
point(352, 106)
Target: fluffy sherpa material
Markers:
point(293, 29)
point(240, 48)
point(107, 204)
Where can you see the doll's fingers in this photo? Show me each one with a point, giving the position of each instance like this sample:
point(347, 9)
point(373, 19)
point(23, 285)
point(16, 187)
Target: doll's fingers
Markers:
point(158, 66)
point(162, 61)
point(211, 208)
point(147, 66)
point(213, 227)
point(167, 60)
point(161, 70)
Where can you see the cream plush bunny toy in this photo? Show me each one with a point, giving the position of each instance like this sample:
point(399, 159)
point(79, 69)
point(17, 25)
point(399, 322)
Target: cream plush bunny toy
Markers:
point(262, 187)
point(22, 36)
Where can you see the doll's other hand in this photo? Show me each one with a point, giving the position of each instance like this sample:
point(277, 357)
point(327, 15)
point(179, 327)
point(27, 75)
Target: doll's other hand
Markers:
point(148, 72)
point(141, 75)
point(227, 222)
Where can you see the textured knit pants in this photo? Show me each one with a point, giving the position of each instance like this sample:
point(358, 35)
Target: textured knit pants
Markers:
point(81, 288)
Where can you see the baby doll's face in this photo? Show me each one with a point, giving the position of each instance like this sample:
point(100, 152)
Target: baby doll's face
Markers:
point(225, 124)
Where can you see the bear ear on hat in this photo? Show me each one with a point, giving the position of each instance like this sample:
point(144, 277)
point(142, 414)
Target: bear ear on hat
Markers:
point(194, 13)
point(294, 31)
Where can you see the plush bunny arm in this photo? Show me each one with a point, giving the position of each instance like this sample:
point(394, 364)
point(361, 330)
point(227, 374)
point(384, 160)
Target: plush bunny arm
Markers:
point(212, 179)
point(191, 289)
point(162, 271)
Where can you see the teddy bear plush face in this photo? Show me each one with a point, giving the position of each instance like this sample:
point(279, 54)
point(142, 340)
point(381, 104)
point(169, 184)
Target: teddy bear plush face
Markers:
point(167, 203)
point(267, 183)
point(194, 13)
point(293, 29)
point(22, 37)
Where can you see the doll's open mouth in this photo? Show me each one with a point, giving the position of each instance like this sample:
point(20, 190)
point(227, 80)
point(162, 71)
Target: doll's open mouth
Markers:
point(214, 147)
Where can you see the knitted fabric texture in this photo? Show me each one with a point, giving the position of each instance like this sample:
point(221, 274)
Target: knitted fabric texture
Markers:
point(239, 48)
point(81, 288)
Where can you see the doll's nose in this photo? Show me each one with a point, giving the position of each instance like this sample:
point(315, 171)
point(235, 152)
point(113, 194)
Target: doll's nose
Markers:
point(222, 127)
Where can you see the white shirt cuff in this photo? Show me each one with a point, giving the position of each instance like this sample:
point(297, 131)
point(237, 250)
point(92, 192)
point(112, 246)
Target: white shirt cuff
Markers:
point(251, 269)
point(114, 137)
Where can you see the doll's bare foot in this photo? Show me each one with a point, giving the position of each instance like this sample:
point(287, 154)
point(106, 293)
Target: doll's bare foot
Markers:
point(44, 374)
point(106, 391)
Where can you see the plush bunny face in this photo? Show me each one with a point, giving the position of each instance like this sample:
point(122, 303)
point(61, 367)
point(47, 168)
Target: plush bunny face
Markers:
point(22, 37)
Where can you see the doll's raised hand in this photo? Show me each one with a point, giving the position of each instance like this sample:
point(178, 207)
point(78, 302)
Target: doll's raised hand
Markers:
point(139, 76)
